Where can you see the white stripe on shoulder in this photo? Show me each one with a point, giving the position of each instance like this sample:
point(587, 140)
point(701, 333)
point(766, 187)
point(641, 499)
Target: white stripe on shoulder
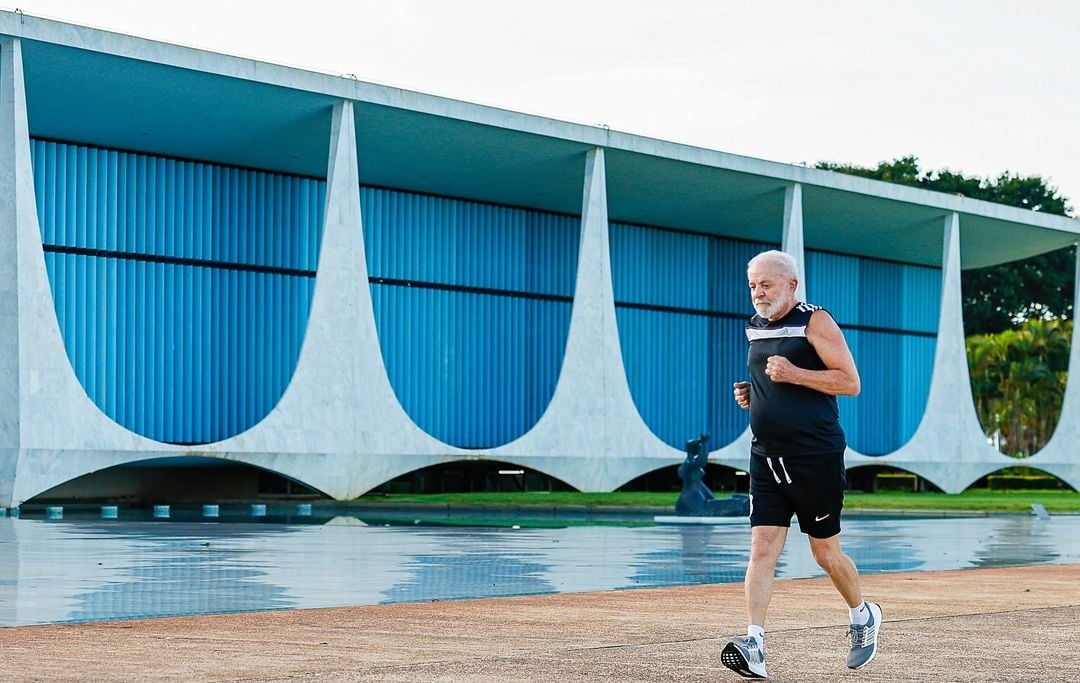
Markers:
point(753, 333)
point(807, 308)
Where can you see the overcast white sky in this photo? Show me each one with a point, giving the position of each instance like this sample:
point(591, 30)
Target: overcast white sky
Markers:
point(978, 86)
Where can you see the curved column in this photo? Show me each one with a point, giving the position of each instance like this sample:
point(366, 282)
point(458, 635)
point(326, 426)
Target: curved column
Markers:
point(60, 432)
point(58, 429)
point(1060, 456)
point(793, 234)
point(591, 435)
point(339, 425)
point(737, 453)
point(13, 133)
point(949, 447)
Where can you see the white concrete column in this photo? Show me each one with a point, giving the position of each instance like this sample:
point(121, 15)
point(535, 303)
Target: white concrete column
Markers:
point(949, 447)
point(339, 425)
point(737, 453)
point(793, 234)
point(1061, 455)
point(591, 435)
point(59, 429)
point(44, 410)
point(13, 137)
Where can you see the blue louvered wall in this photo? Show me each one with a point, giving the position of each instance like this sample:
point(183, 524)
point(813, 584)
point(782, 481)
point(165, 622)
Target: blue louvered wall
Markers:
point(472, 304)
point(682, 306)
point(182, 288)
point(182, 292)
point(889, 314)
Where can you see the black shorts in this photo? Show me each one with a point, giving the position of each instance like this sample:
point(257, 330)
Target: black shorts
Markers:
point(811, 487)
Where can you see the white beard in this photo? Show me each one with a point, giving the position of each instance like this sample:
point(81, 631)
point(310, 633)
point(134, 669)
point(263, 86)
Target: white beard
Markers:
point(771, 309)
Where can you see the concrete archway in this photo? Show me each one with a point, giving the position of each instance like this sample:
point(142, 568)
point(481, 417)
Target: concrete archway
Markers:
point(177, 480)
point(472, 476)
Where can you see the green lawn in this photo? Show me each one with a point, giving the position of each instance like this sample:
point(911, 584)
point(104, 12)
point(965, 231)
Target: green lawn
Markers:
point(976, 499)
point(981, 500)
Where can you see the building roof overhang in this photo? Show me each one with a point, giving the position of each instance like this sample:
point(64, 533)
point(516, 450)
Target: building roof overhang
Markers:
point(97, 87)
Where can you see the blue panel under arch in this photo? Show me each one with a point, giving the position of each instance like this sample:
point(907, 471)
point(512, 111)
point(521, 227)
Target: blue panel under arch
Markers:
point(472, 304)
point(182, 288)
point(889, 313)
point(682, 305)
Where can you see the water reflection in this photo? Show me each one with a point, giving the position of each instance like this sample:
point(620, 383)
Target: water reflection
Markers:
point(54, 571)
point(1016, 541)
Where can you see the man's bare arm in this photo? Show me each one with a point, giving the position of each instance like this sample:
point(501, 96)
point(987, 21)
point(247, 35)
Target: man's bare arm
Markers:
point(840, 378)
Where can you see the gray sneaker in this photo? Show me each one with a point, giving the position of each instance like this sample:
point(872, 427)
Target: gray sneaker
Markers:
point(743, 656)
point(864, 639)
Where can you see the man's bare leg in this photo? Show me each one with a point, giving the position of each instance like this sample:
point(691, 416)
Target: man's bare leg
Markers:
point(865, 617)
point(766, 544)
point(839, 567)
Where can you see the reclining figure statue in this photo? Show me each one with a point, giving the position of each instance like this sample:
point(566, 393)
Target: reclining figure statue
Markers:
point(696, 500)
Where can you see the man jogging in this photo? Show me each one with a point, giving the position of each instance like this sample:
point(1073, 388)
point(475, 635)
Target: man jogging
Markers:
point(799, 363)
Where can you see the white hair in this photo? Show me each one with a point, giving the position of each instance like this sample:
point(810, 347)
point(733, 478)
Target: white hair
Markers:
point(782, 263)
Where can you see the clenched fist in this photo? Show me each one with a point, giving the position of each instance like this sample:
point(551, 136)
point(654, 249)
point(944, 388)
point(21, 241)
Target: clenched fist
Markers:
point(742, 394)
point(780, 369)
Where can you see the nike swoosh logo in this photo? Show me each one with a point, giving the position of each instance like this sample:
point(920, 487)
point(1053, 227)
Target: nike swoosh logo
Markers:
point(818, 519)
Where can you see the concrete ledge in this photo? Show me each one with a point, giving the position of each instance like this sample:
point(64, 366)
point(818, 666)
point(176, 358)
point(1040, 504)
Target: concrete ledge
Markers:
point(648, 510)
point(495, 507)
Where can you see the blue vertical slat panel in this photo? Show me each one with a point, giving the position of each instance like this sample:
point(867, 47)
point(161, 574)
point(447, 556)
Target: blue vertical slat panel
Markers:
point(668, 357)
point(878, 420)
point(437, 240)
point(889, 312)
point(833, 281)
point(917, 368)
point(472, 309)
point(551, 247)
point(727, 354)
point(853, 408)
point(682, 305)
point(923, 286)
point(185, 301)
point(660, 267)
point(728, 290)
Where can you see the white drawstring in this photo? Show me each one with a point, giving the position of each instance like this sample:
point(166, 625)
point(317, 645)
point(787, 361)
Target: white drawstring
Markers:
point(786, 475)
point(775, 475)
point(782, 468)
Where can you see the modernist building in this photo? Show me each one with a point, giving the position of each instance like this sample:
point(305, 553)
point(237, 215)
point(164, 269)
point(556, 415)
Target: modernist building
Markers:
point(207, 256)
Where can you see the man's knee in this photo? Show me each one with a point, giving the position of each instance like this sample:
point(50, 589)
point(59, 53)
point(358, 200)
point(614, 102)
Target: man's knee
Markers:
point(766, 543)
point(826, 552)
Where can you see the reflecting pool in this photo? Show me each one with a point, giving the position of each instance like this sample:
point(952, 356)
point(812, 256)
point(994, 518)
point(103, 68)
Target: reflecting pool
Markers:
point(79, 570)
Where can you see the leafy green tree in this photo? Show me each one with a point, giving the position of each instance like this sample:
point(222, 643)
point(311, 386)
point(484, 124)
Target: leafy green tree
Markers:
point(1018, 314)
point(1000, 297)
point(1003, 296)
point(1018, 379)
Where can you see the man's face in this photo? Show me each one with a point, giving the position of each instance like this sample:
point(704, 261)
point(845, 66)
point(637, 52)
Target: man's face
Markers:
point(771, 293)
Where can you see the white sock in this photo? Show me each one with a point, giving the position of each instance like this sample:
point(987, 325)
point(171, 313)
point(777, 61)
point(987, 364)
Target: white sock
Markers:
point(757, 633)
point(860, 615)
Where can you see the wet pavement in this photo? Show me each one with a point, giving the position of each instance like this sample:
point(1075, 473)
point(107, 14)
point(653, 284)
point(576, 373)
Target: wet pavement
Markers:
point(973, 625)
point(86, 570)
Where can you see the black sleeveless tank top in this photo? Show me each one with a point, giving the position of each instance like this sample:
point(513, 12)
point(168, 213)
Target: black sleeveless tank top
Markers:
point(788, 419)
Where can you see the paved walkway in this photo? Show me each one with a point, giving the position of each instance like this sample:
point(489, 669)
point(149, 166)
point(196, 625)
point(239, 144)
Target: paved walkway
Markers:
point(1005, 624)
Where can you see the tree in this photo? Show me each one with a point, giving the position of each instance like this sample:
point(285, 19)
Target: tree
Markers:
point(1018, 314)
point(1018, 379)
point(1003, 296)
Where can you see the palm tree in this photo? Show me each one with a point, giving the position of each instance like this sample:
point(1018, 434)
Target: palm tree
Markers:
point(1018, 379)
